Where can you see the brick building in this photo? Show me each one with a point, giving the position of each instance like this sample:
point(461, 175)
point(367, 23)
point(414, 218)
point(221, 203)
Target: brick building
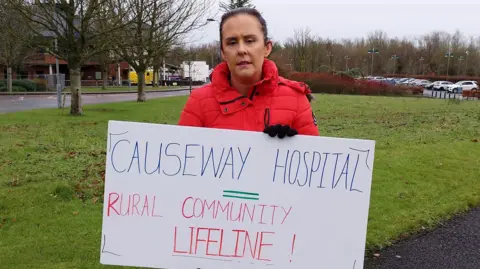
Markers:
point(45, 64)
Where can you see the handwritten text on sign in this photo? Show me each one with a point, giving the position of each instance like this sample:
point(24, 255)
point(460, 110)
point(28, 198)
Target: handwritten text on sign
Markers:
point(182, 197)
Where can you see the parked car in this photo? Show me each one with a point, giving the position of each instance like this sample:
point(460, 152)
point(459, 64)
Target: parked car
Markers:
point(407, 81)
point(441, 85)
point(420, 83)
point(465, 85)
point(430, 86)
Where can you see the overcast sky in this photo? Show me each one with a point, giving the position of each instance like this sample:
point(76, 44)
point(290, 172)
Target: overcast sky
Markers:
point(338, 19)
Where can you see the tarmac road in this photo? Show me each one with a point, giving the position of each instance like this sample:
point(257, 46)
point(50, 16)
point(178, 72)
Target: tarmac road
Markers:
point(13, 103)
point(454, 245)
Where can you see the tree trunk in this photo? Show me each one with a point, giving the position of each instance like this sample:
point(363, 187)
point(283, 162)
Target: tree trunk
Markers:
point(105, 78)
point(141, 87)
point(9, 79)
point(76, 93)
point(154, 78)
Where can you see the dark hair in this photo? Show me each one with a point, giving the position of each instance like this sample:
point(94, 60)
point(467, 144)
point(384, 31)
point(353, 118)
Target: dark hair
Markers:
point(247, 11)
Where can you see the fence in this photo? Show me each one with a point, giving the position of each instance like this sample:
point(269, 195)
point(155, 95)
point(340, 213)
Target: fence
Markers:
point(48, 82)
point(468, 95)
point(99, 83)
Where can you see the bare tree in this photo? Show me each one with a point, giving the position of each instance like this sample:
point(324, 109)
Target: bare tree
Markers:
point(15, 42)
point(233, 4)
point(105, 59)
point(156, 26)
point(75, 26)
point(299, 49)
point(401, 55)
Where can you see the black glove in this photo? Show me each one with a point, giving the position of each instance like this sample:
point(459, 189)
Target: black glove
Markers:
point(280, 130)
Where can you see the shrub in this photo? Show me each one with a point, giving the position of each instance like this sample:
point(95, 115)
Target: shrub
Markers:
point(30, 86)
point(41, 84)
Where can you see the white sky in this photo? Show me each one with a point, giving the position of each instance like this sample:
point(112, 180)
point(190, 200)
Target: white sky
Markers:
point(338, 19)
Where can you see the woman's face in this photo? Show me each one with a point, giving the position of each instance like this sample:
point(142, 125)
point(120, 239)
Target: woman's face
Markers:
point(244, 48)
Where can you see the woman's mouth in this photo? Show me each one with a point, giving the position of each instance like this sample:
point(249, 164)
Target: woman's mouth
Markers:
point(243, 63)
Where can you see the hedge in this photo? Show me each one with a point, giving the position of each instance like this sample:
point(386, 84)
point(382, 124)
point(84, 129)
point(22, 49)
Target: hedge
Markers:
point(27, 85)
point(3, 88)
point(342, 84)
point(436, 78)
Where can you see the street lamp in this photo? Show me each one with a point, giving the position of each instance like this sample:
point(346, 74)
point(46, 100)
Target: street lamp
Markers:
point(460, 59)
point(329, 55)
point(394, 57)
point(423, 66)
point(466, 62)
point(58, 87)
point(346, 62)
point(211, 54)
point(372, 51)
point(364, 64)
point(448, 55)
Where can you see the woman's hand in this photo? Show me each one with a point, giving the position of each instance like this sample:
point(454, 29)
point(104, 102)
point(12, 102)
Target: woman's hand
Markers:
point(280, 130)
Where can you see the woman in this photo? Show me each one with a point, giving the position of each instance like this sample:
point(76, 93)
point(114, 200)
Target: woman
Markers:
point(246, 92)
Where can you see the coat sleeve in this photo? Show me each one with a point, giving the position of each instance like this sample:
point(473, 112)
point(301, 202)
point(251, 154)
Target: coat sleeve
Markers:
point(192, 113)
point(305, 122)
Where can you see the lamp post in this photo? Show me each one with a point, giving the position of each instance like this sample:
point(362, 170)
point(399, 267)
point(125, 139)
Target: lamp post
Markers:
point(329, 55)
point(364, 64)
point(372, 51)
point(423, 66)
point(58, 86)
point(460, 59)
point(448, 55)
point(346, 63)
point(394, 57)
point(218, 54)
point(466, 62)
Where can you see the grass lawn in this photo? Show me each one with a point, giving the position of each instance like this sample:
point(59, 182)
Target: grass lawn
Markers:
point(126, 88)
point(427, 167)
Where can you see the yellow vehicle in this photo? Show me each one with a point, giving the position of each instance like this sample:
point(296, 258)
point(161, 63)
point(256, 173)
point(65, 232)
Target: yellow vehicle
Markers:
point(133, 77)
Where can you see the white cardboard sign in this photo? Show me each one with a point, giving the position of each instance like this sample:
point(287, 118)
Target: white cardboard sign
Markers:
point(187, 198)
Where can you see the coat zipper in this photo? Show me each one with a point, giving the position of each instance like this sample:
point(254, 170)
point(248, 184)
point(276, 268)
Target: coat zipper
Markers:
point(266, 117)
point(253, 93)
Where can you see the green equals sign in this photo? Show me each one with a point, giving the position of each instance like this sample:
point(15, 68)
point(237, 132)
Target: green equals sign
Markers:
point(240, 195)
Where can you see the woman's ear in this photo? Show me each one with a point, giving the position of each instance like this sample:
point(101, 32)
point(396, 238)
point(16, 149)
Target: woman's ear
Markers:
point(268, 48)
point(223, 55)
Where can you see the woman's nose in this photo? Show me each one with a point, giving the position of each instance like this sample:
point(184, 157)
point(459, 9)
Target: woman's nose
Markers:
point(242, 49)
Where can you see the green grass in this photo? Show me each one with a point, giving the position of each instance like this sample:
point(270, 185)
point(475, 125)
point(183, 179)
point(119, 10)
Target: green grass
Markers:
point(126, 88)
point(427, 168)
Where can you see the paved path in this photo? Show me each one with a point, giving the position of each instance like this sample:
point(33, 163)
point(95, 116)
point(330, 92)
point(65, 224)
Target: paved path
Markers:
point(12, 103)
point(455, 245)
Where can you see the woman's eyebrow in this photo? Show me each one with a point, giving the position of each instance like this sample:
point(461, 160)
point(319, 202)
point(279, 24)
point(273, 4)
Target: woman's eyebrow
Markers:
point(244, 36)
point(250, 36)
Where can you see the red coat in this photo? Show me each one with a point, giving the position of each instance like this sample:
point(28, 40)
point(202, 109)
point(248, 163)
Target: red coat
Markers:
point(271, 101)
